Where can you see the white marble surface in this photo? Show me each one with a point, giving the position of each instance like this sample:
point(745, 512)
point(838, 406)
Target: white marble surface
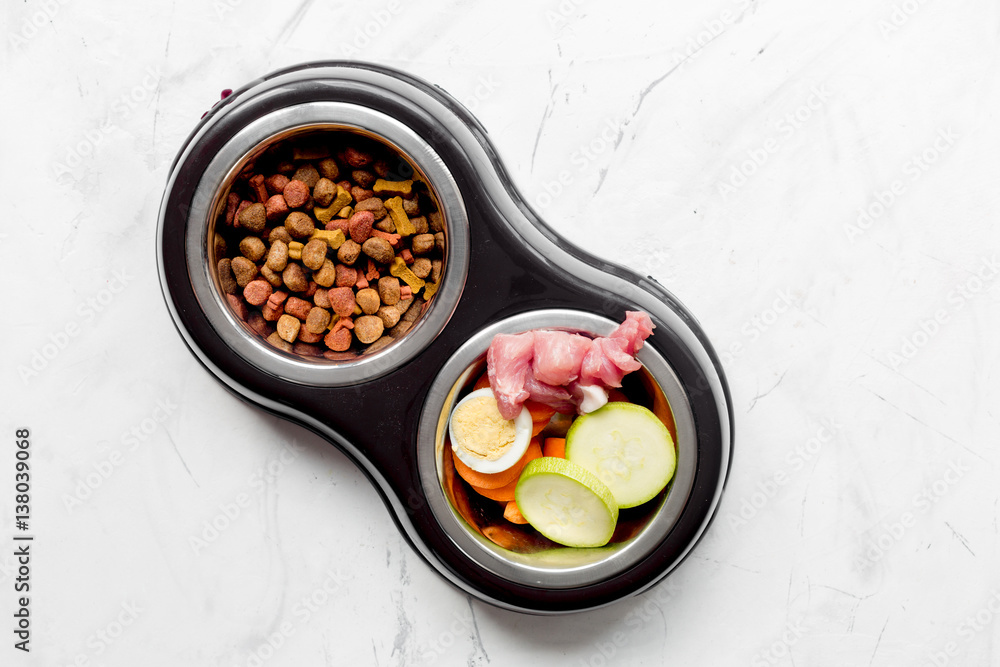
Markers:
point(859, 526)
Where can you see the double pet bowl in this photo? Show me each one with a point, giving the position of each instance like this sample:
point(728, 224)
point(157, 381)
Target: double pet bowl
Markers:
point(505, 271)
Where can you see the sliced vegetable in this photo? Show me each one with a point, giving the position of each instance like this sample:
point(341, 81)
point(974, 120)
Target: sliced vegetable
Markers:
point(554, 447)
point(503, 478)
point(566, 503)
point(506, 493)
point(512, 514)
point(627, 447)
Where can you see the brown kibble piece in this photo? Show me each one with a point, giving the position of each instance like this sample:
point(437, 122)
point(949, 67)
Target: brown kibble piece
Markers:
point(435, 221)
point(339, 340)
point(385, 225)
point(275, 208)
point(357, 158)
point(296, 193)
point(294, 277)
point(389, 316)
point(232, 201)
point(324, 191)
point(421, 267)
point(349, 251)
point(378, 249)
point(363, 177)
point(436, 270)
point(252, 248)
point(279, 234)
point(317, 320)
point(411, 207)
point(258, 323)
point(276, 184)
point(257, 292)
point(314, 254)
point(327, 275)
point(368, 300)
point(346, 276)
point(271, 276)
point(226, 279)
point(321, 298)
point(297, 307)
point(299, 225)
point(288, 328)
point(361, 194)
point(328, 169)
point(307, 336)
point(239, 306)
point(379, 344)
point(361, 226)
point(420, 224)
point(219, 245)
point(307, 174)
point(277, 256)
point(374, 206)
point(301, 348)
point(388, 290)
point(342, 300)
point(253, 218)
point(400, 329)
point(244, 269)
point(276, 340)
point(439, 242)
point(368, 328)
point(423, 244)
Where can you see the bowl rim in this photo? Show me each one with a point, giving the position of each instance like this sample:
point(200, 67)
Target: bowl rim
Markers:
point(565, 567)
point(209, 198)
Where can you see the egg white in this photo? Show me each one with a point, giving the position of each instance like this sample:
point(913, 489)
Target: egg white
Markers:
point(522, 437)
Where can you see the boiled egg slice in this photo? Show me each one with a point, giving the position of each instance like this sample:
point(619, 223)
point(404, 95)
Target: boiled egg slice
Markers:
point(482, 439)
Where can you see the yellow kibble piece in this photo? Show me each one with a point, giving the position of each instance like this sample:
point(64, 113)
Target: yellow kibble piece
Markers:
point(342, 199)
point(399, 218)
point(384, 187)
point(430, 290)
point(357, 310)
point(295, 250)
point(402, 271)
point(345, 212)
point(333, 237)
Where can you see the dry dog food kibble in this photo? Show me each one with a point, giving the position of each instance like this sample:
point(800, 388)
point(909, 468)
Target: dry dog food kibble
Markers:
point(326, 246)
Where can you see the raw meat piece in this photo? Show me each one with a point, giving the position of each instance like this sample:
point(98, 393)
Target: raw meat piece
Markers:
point(508, 364)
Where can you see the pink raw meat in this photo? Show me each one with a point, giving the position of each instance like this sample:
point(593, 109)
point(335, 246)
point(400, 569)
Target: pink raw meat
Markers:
point(508, 364)
point(551, 366)
point(558, 356)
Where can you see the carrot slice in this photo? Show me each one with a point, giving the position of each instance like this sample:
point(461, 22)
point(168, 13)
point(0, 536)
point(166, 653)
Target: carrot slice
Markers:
point(496, 480)
point(513, 514)
point(506, 493)
point(539, 411)
point(482, 383)
point(554, 447)
point(616, 396)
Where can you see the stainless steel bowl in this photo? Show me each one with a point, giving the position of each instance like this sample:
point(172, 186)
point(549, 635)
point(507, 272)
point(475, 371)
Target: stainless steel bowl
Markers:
point(562, 567)
point(252, 141)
